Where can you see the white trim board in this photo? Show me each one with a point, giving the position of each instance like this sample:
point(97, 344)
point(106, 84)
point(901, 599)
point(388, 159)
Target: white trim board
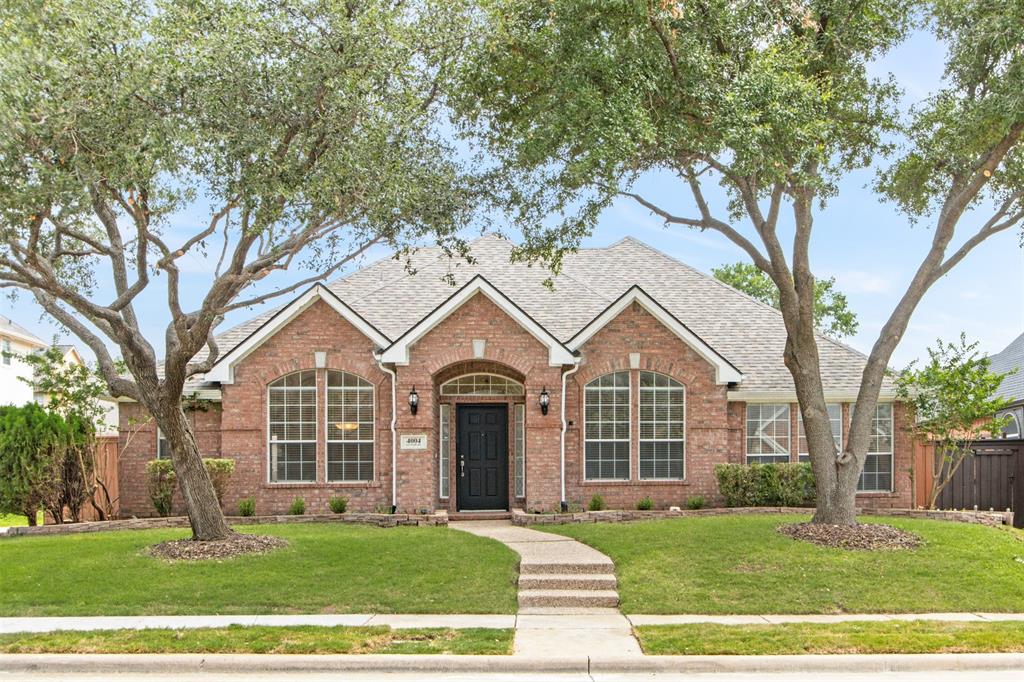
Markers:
point(224, 370)
point(398, 352)
point(725, 372)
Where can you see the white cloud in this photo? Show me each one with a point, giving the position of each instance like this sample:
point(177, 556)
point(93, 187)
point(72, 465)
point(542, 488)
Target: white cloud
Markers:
point(861, 282)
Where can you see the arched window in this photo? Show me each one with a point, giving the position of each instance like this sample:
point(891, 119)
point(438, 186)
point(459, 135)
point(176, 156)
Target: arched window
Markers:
point(291, 419)
point(1012, 428)
point(350, 427)
point(482, 385)
point(662, 424)
point(606, 427)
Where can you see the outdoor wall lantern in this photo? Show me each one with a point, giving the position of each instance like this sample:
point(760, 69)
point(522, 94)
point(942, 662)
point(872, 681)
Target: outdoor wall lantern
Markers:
point(414, 400)
point(545, 400)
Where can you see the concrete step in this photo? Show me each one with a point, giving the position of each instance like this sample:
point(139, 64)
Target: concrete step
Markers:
point(567, 581)
point(568, 598)
point(562, 567)
point(568, 611)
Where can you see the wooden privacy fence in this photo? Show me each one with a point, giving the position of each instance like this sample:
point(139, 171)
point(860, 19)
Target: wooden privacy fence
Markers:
point(106, 471)
point(992, 478)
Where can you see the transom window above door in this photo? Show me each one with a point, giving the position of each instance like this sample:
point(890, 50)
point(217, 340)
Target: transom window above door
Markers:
point(482, 385)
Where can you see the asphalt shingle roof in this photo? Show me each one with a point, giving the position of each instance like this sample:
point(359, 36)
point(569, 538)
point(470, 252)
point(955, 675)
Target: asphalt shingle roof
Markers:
point(748, 333)
point(1009, 359)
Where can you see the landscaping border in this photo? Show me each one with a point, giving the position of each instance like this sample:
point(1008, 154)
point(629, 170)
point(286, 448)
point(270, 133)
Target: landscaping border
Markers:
point(439, 518)
point(521, 518)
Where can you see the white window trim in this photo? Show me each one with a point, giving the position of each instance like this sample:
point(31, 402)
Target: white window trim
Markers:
point(482, 395)
point(1014, 424)
point(629, 424)
point(160, 437)
point(891, 452)
point(746, 433)
point(315, 441)
point(516, 409)
point(444, 420)
point(327, 426)
point(641, 439)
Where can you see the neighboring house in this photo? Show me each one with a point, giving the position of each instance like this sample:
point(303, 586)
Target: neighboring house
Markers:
point(1011, 359)
point(15, 343)
point(109, 423)
point(393, 388)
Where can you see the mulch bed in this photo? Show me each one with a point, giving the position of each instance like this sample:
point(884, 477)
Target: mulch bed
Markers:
point(237, 545)
point(863, 536)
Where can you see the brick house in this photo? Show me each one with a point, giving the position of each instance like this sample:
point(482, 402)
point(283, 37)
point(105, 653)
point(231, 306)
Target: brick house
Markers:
point(403, 389)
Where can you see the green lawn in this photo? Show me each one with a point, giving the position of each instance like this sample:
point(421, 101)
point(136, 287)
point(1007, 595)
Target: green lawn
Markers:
point(265, 640)
point(914, 637)
point(7, 520)
point(740, 564)
point(327, 568)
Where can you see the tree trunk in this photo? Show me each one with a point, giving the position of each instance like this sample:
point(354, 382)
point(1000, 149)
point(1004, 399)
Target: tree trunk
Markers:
point(204, 513)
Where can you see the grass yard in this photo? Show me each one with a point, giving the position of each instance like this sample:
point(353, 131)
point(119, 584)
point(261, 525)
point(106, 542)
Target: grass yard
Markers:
point(327, 568)
point(741, 565)
point(7, 520)
point(913, 637)
point(265, 640)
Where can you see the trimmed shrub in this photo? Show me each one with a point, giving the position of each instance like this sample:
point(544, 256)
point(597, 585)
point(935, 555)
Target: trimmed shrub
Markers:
point(596, 503)
point(247, 507)
point(766, 485)
point(298, 507)
point(219, 470)
point(338, 505)
point(160, 484)
point(695, 502)
point(646, 504)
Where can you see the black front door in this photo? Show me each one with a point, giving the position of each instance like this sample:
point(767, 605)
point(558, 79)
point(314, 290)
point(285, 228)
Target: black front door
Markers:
point(482, 457)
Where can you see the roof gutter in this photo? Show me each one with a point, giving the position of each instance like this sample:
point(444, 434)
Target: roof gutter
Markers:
point(565, 426)
point(394, 432)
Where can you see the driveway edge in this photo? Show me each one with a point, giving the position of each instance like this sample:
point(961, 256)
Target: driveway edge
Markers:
point(398, 663)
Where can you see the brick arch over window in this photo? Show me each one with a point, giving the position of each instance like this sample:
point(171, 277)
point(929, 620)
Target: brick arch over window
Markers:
point(505, 362)
point(462, 368)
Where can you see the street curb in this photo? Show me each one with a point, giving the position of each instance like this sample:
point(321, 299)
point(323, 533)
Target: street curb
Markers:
point(399, 663)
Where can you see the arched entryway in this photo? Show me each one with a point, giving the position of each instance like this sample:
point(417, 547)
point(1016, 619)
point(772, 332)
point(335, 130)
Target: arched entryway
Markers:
point(481, 414)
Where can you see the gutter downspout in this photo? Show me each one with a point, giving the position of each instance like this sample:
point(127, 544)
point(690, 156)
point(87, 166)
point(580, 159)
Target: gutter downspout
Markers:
point(394, 433)
point(565, 426)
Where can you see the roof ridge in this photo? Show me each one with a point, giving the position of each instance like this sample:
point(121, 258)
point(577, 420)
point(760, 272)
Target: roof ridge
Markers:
point(733, 289)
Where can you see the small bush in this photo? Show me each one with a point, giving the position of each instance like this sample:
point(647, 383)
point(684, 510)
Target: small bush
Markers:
point(298, 507)
point(382, 509)
point(766, 485)
point(338, 505)
point(646, 504)
point(219, 470)
point(695, 502)
point(247, 507)
point(160, 484)
point(596, 503)
point(574, 507)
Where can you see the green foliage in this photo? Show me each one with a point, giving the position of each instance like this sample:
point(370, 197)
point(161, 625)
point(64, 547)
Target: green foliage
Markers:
point(219, 471)
point(45, 460)
point(832, 314)
point(954, 399)
point(596, 503)
point(71, 389)
point(338, 505)
point(695, 502)
point(161, 483)
point(766, 485)
point(645, 504)
point(298, 507)
point(247, 506)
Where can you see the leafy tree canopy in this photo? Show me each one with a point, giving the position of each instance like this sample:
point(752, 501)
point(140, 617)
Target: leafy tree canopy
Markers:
point(832, 314)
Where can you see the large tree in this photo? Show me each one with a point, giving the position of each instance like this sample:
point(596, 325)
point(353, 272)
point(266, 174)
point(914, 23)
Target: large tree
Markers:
point(136, 137)
point(832, 314)
point(772, 101)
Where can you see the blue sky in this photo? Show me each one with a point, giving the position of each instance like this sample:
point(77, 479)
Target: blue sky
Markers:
point(867, 246)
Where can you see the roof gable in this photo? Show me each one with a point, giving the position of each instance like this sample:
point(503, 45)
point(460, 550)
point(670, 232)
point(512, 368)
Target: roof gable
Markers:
point(398, 352)
point(223, 371)
point(725, 371)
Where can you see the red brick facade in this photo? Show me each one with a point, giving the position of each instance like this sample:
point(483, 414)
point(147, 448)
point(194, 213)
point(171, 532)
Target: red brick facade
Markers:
point(635, 340)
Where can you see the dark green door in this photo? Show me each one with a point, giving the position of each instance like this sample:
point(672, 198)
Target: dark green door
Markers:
point(482, 457)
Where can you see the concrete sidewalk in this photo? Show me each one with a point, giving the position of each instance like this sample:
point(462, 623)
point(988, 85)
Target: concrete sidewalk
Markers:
point(522, 621)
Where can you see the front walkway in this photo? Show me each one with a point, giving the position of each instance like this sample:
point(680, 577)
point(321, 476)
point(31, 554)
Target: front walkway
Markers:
point(567, 596)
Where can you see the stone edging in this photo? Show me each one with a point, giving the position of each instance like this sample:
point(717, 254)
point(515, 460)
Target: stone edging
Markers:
point(521, 518)
point(439, 518)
